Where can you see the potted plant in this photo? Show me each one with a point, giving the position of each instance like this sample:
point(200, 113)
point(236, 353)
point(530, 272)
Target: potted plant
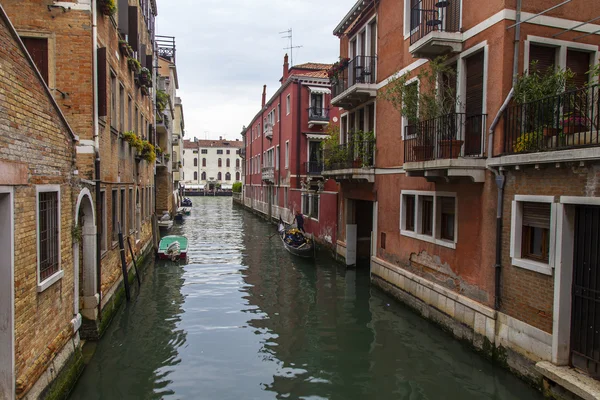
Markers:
point(337, 69)
point(528, 142)
point(145, 77)
point(167, 157)
point(363, 144)
point(334, 153)
point(125, 48)
point(148, 151)
point(574, 122)
point(107, 7)
point(134, 65)
point(162, 100)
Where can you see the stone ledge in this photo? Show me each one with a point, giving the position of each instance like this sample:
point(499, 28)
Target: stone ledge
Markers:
point(569, 378)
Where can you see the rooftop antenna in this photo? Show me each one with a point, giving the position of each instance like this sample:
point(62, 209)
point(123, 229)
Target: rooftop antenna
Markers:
point(288, 35)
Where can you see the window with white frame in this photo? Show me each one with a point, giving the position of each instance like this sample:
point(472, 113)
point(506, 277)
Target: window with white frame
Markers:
point(115, 214)
point(48, 224)
point(102, 227)
point(123, 217)
point(310, 205)
point(278, 112)
point(131, 212)
point(409, 127)
point(429, 216)
point(288, 105)
point(277, 157)
point(287, 154)
point(532, 233)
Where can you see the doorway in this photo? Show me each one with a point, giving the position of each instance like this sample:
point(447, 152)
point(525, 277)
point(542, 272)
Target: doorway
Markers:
point(85, 257)
point(7, 353)
point(359, 227)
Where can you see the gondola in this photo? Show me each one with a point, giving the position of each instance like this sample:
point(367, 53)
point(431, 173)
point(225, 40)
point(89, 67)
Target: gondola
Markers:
point(295, 241)
point(186, 202)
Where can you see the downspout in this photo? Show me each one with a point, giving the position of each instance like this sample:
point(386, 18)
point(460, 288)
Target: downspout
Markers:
point(298, 131)
point(517, 43)
point(97, 158)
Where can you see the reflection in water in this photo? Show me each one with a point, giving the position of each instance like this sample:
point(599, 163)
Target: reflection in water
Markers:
point(247, 320)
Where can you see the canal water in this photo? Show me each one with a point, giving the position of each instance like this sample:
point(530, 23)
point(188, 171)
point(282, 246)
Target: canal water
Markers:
point(246, 320)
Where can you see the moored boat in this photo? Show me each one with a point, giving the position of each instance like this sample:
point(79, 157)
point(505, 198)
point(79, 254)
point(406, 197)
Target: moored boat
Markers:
point(186, 202)
point(173, 248)
point(186, 210)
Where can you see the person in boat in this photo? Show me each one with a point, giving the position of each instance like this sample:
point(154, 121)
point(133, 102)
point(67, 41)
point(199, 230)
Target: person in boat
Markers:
point(300, 221)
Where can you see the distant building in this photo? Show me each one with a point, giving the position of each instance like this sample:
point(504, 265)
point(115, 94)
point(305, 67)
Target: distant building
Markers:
point(210, 164)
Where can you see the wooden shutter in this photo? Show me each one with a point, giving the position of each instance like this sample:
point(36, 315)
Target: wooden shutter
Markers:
point(143, 56)
point(123, 17)
point(544, 55)
point(149, 61)
point(579, 63)
point(102, 82)
point(447, 204)
point(536, 215)
point(133, 28)
point(38, 49)
point(474, 95)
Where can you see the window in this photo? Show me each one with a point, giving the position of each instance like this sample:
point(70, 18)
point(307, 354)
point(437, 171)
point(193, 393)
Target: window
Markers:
point(382, 240)
point(277, 157)
point(102, 227)
point(227, 162)
point(259, 129)
point(130, 114)
point(305, 204)
point(113, 100)
point(409, 126)
point(227, 176)
point(237, 163)
point(38, 50)
point(288, 105)
point(219, 176)
point(287, 155)
point(136, 120)
point(195, 175)
point(204, 162)
point(429, 216)
point(204, 151)
point(219, 151)
point(532, 236)
point(195, 162)
point(278, 112)
point(220, 162)
point(121, 108)
point(115, 214)
point(285, 197)
point(123, 210)
point(237, 176)
point(48, 233)
point(314, 212)
point(228, 151)
point(203, 176)
point(131, 212)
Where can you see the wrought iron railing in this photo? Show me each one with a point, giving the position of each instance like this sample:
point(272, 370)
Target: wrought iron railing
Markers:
point(314, 168)
point(568, 120)
point(361, 69)
point(268, 173)
point(449, 136)
point(427, 16)
point(318, 114)
point(355, 154)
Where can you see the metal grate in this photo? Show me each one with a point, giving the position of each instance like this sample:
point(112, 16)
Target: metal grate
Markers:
point(48, 220)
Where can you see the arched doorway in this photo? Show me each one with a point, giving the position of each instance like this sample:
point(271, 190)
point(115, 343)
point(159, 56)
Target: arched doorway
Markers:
point(84, 250)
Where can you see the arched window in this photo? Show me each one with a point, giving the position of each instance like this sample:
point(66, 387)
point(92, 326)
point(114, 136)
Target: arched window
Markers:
point(204, 162)
point(204, 176)
point(227, 163)
point(237, 163)
point(220, 163)
point(237, 176)
point(195, 162)
point(228, 176)
point(219, 176)
point(195, 175)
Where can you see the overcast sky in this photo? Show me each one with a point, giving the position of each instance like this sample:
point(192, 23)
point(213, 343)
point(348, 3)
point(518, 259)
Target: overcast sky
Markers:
point(228, 49)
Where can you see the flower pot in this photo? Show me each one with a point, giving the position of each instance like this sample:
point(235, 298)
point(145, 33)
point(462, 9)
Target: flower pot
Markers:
point(423, 153)
point(450, 148)
point(549, 132)
point(571, 129)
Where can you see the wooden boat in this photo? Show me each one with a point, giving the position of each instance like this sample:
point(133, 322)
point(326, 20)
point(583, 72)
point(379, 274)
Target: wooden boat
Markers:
point(186, 210)
point(186, 202)
point(178, 215)
point(295, 241)
point(173, 248)
point(165, 224)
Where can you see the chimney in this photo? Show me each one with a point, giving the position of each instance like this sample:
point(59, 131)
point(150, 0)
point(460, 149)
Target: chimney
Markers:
point(286, 68)
point(264, 96)
point(220, 137)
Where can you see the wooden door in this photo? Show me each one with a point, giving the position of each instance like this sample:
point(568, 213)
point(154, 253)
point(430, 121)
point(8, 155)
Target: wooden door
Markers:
point(474, 105)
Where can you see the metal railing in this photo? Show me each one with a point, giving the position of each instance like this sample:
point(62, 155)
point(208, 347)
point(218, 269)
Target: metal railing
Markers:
point(355, 154)
point(318, 114)
point(314, 168)
point(433, 15)
point(569, 120)
point(449, 136)
point(268, 174)
point(361, 69)
point(166, 47)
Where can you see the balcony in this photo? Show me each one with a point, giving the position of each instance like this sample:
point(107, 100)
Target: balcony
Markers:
point(161, 161)
point(318, 116)
point(268, 174)
point(435, 28)
point(551, 129)
point(355, 84)
point(352, 162)
point(268, 131)
point(314, 168)
point(162, 123)
point(242, 152)
point(450, 146)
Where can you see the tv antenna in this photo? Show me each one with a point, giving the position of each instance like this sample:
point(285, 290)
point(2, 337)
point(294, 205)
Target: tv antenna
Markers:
point(288, 35)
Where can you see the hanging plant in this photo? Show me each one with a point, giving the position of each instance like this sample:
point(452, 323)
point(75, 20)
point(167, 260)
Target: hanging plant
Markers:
point(148, 151)
point(108, 7)
point(134, 65)
point(125, 48)
point(162, 100)
point(133, 140)
point(145, 77)
point(167, 156)
point(145, 91)
point(337, 69)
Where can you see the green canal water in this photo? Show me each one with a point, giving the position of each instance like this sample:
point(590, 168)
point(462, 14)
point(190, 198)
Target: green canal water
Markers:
point(246, 320)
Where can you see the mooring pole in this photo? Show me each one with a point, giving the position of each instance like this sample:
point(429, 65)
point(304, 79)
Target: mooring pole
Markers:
point(124, 264)
point(137, 274)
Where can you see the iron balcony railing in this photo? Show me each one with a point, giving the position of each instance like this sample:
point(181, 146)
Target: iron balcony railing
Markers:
point(355, 154)
point(318, 114)
point(361, 69)
point(427, 16)
point(449, 136)
point(568, 120)
point(268, 174)
point(314, 168)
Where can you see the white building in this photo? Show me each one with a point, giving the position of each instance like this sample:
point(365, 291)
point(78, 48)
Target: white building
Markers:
point(210, 163)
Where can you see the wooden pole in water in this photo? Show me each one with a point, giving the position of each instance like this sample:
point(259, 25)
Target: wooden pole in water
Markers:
point(124, 264)
point(134, 263)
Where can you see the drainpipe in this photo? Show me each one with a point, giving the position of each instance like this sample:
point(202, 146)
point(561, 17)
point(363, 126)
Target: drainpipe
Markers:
point(298, 131)
point(517, 43)
point(500, 180)
point(97, 157)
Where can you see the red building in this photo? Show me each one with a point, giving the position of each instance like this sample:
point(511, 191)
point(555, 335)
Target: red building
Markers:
point(283, 154)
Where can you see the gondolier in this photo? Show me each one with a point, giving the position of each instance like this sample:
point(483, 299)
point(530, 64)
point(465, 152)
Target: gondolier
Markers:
point(300, 221)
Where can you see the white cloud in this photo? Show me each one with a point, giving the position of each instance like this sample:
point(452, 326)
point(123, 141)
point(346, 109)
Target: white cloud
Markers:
point(227, 50)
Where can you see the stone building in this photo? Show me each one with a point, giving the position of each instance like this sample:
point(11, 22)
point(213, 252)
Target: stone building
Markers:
point(283, 153)
point(98, 64)
point(507, 278)
point(177, 154)
point(211, 164)
point(39, 320)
